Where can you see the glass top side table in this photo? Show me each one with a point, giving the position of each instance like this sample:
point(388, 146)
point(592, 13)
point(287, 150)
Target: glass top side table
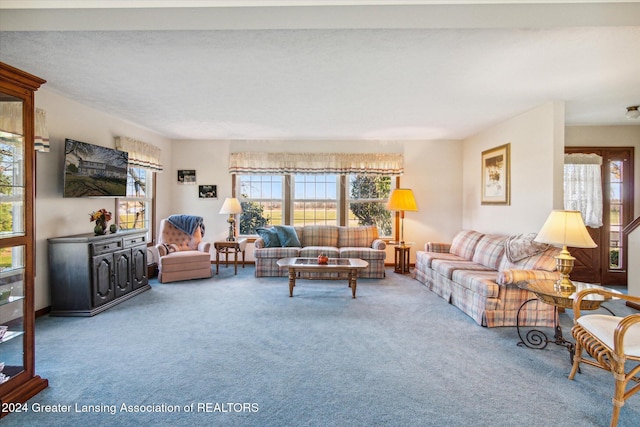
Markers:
point(547, 292)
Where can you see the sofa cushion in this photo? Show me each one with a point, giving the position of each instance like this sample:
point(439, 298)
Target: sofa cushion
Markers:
point(489, 251)
point(426, 258)
point(277, 253)
point(269, 236)
point(176, 261)
point(320, 235)
point(464, 243)
point(314, 251)
point(479, 282)
point(362, 236)
point(362, 253)
point(446, 268)
point(287, 236)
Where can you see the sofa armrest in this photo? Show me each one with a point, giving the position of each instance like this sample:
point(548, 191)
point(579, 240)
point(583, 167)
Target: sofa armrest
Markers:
point(378, 244)
point(510, 277)
point(259, 243)
point(166, 249)
point(162, 250)
point(438, 247)
point(204, 246)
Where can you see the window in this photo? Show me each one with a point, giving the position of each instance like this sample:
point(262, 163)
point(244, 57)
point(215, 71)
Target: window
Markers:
point(301, 199)
point(135, 211)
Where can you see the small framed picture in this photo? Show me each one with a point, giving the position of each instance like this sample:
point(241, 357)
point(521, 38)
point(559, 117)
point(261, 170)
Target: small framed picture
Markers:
point(186, 176)
point(208, 191)
point(496, 176)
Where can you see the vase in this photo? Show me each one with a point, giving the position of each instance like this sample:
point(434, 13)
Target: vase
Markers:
point(113, 228)
point(100, 228)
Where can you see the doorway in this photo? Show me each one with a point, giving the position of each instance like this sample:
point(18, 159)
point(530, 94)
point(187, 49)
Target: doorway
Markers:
point(607, 263)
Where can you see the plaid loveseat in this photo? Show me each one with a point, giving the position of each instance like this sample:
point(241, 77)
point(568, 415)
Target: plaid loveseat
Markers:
point(334, 241)
point(476, 273)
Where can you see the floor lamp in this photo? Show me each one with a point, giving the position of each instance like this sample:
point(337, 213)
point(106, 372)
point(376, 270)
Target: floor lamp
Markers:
point(401, 200)
point(231, 207)
point(565, 228)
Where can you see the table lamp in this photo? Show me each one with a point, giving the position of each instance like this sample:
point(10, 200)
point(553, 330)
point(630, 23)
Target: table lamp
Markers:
point(565, 228)
point(231, 207)
point(401, 200)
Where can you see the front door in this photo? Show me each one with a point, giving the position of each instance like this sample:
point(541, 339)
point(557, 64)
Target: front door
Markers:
point(607, 264)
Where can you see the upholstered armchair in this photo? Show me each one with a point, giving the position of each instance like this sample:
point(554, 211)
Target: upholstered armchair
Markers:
point(183, 256)
point(613, 343)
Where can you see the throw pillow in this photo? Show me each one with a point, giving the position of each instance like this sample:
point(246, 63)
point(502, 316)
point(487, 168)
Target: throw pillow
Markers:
point(288, 236)
point(270, 237)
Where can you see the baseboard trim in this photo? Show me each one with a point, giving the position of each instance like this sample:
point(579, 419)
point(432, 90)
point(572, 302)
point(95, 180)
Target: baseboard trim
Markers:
point(43, 311)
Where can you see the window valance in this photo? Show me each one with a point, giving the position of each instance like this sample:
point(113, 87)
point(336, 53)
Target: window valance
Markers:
point(141, 154)
point(583, 187)
point(582, 159)
point(11, 122)
point(41, 135)
point(316, 163)
point(11, 117)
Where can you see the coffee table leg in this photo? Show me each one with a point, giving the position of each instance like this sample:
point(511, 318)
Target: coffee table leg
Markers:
point(353, 276)
point(292, 281)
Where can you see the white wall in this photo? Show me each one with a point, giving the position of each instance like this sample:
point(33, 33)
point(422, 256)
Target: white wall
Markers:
point(432, 170)
point(55, 215)
point(537, 143)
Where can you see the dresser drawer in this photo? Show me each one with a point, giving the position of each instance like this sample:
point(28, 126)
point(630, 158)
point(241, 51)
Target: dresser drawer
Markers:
point(98, 248)
point(134, 241)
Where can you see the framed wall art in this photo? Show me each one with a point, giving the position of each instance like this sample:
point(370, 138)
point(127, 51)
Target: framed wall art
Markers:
point(208, 191)
point(186, 176)
point(496, 176)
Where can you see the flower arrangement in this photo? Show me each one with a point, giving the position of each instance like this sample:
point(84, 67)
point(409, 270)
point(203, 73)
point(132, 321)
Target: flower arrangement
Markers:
point(101, 217)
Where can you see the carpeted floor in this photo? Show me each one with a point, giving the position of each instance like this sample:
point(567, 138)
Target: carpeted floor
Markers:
point(237, 351)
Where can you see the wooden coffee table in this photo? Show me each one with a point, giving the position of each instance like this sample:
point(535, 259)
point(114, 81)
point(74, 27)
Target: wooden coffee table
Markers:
point(335, 265)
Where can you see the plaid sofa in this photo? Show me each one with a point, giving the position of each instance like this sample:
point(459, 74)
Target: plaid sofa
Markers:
point(334, 241)
point(474, 273)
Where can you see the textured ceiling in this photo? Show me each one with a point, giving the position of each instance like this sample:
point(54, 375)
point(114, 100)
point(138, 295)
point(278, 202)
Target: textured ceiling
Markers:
point(335, 83)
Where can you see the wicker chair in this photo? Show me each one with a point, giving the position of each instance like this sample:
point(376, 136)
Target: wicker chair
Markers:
point(611, 341)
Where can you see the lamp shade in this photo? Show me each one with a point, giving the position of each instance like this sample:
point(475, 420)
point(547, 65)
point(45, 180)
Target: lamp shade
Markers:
point(565, 228)
point(402, 199)
point(231, 206)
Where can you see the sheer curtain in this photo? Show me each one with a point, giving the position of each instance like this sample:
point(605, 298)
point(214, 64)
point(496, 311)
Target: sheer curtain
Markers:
point(583, 187)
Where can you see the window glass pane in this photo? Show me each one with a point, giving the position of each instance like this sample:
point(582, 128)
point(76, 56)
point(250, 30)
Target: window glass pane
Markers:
point(11, 184)
point(12, 272)
point(368, 196)
point(615, 213)
point(261, 200)
point(315, 200)
point(134, 211)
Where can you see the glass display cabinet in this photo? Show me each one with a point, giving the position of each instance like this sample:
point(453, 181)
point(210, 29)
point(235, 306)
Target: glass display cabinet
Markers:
point(18, 381)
